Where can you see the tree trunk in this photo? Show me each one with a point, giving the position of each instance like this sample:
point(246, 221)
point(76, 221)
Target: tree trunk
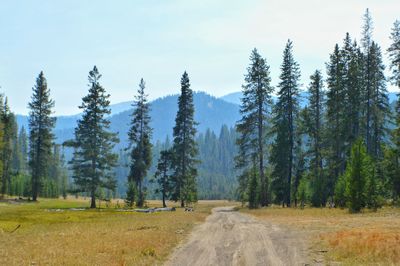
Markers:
point(264, 182)
point(163, 201)
point(93, 200)
point(182, 203)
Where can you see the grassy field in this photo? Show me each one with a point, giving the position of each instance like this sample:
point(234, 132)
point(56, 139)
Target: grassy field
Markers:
point(50, 233)
point(369, 238)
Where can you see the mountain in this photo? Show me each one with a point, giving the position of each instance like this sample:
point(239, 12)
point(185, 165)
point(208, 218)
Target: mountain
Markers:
point(233, 97)
point(210, 112)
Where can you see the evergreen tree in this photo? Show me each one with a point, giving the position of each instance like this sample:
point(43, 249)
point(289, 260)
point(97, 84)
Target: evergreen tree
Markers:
point(184, 147)
point(63, 175)
point(252, 128)
point(379, 102)
point(335, 120)
point(9, 151)
point(93, 159)
point(23, 145)
point(392, 155)
point(352, 61)
point(253, 186)
point(140, 137)
point(162, 175)
point(366, 42)
point(358, 173)
point(284, 126)
point(131, 193)
point(41, 125)
point(394, 54)
point(315, 131)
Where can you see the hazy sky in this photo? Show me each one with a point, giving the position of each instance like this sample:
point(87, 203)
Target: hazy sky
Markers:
point(158, 40)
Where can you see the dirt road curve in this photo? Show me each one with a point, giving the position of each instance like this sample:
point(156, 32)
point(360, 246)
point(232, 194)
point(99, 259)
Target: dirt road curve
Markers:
point(232, 238)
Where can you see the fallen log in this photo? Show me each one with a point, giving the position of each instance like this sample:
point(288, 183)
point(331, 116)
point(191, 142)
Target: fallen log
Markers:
point(166, 209)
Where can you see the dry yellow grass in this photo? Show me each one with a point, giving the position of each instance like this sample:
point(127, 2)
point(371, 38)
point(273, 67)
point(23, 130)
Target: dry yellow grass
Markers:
point(91, 237)
point(369, 238)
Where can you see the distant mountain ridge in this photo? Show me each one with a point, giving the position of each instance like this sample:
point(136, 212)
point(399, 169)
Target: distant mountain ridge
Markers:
point(210, 112)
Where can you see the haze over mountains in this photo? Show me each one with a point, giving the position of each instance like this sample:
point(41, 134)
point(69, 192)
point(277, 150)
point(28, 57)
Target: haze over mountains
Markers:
point(210, 112)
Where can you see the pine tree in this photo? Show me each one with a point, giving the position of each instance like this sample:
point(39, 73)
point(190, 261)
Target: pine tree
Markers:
point(393, 154)
point(284, 126)
point(41, 125)
point(379, 102)
point(131, 193)
point(252, 128)
point(23, 145)
point(163, 175)
point(93, 159)
point(366, 42)
point(352, 61)
point(253, 188)
point(140, 137)
point(184, 147)
point(335, 120)
point(394, 54)
point(358, 172)
point(8, 152)
point(315, 131)
point(63, 176)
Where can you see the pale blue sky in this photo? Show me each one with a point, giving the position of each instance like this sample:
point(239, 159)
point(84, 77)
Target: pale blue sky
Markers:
point(158, 40)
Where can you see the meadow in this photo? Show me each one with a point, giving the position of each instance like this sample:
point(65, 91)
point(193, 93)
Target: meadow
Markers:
point(368, 238)
point(64, 232)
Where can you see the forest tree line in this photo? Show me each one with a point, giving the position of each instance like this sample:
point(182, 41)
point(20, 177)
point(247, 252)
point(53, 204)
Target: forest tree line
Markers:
point(341, 149)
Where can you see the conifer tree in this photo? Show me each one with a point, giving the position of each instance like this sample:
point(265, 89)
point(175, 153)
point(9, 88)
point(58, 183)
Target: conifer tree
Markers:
point(315, 131)
point(93, 158)
point(393, 154)
point(366, 42)
point(140, 137)
point(184, 147)
point(284, 126)
point(163, 175)
point(335, 120)
point(394, 54)
point(23, 145)
point(379, 102)
point(358, 172)
point(353, 86)
point(252, 128)
point(8, 152)
point(41, 137)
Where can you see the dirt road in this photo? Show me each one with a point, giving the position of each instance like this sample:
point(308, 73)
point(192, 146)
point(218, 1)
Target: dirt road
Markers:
point(229, 237)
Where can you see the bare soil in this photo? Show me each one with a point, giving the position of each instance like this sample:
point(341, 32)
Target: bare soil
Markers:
point(229, 237)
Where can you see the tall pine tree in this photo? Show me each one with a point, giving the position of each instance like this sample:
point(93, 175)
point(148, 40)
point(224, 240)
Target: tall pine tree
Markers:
point(379, 102)
point(315, 131)
point(335, 119)
point(394, 54)
point(41, 137)
point(252, 128)
point(140, 137)
point(93, 158)
point(185, 147)
point(284, 126)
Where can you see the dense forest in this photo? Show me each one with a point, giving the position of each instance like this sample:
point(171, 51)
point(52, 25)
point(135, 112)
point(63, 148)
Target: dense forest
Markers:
point(338, 150)
point(338, 147)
